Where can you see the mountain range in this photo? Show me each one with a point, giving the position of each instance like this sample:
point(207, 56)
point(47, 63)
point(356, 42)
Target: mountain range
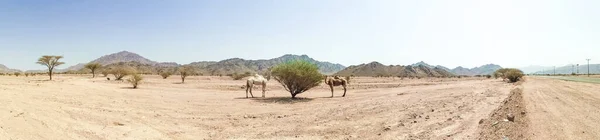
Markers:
point(224, 67)
point(239, 65)
point(4, 69)
point(378, 69)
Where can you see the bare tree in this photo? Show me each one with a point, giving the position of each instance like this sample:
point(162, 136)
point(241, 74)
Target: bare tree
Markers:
point(93, 67)
point(50, 62)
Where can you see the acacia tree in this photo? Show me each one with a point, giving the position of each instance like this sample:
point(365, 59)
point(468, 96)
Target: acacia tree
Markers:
point(122, 71)
point(297, 76)
point(51, 62)
point(185, 71)
point(93, 67)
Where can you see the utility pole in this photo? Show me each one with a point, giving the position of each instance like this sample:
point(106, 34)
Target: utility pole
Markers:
point(554, 70)
point(572, 68)
point(577, 69)
point(588, 66)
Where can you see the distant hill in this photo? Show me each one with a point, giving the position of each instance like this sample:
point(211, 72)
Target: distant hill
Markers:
point(534, 69)
point(224, 67)
point(4, 69)
point(378, 69)
point(481, 70)
point(238, 65)
point(568, 69)
point(123, 56)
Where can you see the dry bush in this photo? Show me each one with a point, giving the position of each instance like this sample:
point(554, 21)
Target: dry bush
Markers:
point(26, 74)
point(512, 74)
point(105, 72)
point(185, 71)
point(121, 71)
point(297, 76)
point(135, 80)
point(17, 74)
point(165, 75)
point(237, 76)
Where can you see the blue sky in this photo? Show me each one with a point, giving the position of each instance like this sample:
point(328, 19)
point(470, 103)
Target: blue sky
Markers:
point(468, 33)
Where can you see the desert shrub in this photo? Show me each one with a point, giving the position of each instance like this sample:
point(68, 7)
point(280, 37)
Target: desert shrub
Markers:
point(488, 76)
point(165, 75)
point(17, 74)
point(26, 74)
point(135, 80)
point(237, 76)
point(512, 74)
point(93, 67)
point(105, 72)
point(50, 62)
point(297, 76)
point(121, 71)
point(185, 71)
point(573, 73)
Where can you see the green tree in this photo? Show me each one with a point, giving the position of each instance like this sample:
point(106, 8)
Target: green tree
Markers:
point(51, 62)
point(93, 67)
point(297, 76)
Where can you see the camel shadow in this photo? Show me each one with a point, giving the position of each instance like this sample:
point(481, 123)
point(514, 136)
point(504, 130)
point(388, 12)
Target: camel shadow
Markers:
point(127, 88)
point(279, 100)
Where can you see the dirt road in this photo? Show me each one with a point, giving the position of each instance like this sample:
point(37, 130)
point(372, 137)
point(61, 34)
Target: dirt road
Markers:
point(77, 107)
point(562, 109)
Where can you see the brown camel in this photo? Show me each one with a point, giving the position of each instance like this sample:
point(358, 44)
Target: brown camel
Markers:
point(336, 81)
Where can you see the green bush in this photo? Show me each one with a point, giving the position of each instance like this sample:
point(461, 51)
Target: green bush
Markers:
point(135, 80)
point(93, 67)
point(185, 71)
point(297, 76)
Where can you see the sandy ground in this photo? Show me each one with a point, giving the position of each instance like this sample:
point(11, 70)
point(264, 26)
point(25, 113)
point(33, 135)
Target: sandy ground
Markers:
point(563, 109)
point(79, 107)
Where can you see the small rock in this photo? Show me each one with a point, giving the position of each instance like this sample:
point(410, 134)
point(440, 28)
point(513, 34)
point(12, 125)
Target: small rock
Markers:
point(522, 112)
point(401, 124)
point(510, 117)
point(449, 119)
point(347, 118)
point(432, 110)
point(387, 128)
point(481, 121)
point(427, 117)
point(245, 116)
point(279, 116)
point(414, 121)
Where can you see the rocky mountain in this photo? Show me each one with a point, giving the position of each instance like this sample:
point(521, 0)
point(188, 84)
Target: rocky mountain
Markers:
point(378, 69)
point(123, 56)
point(4, 69)
point(238, 65)
point(224, 67)
point(481, 70)
point(534, 68)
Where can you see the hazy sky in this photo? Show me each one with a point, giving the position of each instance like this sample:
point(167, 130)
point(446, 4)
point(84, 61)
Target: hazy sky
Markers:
point(468, 33)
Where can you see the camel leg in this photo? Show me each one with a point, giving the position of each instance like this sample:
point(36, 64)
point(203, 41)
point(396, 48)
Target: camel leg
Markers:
point(344, 91)
point(251, 87)
point(247, 88)
point(331, 87)
point(264, 87)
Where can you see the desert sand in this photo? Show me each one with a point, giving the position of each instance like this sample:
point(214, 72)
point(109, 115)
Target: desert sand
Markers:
point(205, 107)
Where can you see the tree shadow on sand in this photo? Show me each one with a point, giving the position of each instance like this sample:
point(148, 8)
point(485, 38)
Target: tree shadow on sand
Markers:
point(279, 100)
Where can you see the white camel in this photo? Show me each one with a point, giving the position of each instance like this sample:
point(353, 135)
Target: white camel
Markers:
point(256, 80)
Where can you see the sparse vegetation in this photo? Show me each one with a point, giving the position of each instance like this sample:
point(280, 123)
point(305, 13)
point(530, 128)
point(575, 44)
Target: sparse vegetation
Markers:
point(51, 62)
point(121, 71)
point(26, 74)
point(17, 74)
point(511, 74)
point(185, 71)
point(297, 76)
point(105, 72)
point(165, 75)
point(237, 76)
point(135, 80)
point(93, 67)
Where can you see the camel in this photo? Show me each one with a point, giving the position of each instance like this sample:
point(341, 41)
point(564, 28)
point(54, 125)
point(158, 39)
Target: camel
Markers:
point(256, 80)
point(336, 81)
